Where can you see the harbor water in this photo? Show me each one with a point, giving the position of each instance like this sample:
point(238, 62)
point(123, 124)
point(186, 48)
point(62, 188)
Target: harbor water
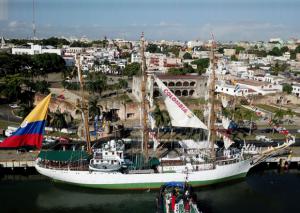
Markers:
point(263, 190)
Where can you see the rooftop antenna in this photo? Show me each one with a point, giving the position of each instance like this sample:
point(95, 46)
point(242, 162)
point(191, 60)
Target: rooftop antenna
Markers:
point(33, 20)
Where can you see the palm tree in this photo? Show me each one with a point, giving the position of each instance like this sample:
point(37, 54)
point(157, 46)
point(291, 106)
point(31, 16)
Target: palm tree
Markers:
point(291, 114)
point(278, 116)
point(94, 109)
point(58, 120)
point(161, 118)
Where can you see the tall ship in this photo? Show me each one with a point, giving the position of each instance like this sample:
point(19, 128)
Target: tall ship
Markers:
point(199, 163)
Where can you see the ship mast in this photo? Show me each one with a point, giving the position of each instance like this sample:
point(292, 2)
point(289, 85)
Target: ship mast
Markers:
point(212, 117)
point(144, 106)
point(83, 107)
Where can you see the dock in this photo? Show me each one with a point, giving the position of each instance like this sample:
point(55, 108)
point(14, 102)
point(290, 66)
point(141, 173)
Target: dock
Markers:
point(14, 159)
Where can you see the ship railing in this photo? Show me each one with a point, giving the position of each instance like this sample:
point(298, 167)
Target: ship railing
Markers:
point(63, 166)
point(227, 161)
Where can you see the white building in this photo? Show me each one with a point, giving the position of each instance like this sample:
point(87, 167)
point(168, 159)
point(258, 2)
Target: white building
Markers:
point(296, 90)
point(232, 90)
point(192, 44)
point(260, 87)
point(34, 49)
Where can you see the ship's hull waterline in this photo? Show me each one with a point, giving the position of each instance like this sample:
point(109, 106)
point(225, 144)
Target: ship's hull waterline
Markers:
point(121, 181)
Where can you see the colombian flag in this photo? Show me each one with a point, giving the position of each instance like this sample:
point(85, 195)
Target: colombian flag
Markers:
point(30, 133)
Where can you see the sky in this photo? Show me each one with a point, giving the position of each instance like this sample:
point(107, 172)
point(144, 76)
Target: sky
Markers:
point(228, 20)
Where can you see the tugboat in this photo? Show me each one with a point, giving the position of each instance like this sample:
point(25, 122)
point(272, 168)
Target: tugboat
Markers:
point(177, 197)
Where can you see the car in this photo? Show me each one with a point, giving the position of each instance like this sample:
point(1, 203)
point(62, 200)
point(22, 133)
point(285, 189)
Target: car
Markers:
point(263, 138)
point(14, 106)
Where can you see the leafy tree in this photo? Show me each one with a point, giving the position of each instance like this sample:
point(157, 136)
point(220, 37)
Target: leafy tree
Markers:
point(12, 88)
point(221, 50)
point(56, 42)
point(199, 113)
point(122, 83)
point(42, 87)
point(202, 64)
point(94, 109)
point(161, 117)
point(153, 48)
point(58, 120)
point(97, 82)
point(233, 58)
point(279, 68)
point(187, 56)
point(24, 110)
point(181, 71)
point(47, 63)
point(278, 116)
point(239, 49)
point(284, 49)
point(80, 44)
point(275, 52)
point(258, 53)
point(132, 69)
point(287, 88)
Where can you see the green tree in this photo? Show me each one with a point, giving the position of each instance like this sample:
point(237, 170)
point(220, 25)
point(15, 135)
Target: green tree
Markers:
point(198, 113)
point(284, 49)
point(94, 109)
point(287, 88)
point(239, 49)
point(275, 52)
point(181, 71)
point(153, 48)
point(132, 69)
point(221, 50)
point(12, 88)
point(233, 58)
point(42, 87)
point(277, 68)
point(161, 117)
point(58, 120)
point(122, 83)
point(202, 64)
point(56, 42)
point(97, 83)
point(24, 110)
point(187, 55)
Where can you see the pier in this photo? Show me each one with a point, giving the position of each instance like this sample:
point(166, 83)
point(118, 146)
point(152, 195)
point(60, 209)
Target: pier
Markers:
point(15, 159)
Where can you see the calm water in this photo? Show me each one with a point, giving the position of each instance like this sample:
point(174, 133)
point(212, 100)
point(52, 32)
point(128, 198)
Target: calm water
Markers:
point(262, 191)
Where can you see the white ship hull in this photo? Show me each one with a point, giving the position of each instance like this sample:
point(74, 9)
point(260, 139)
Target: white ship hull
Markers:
point(119, 180)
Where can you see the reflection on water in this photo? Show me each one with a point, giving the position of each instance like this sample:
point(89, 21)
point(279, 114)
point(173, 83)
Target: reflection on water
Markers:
point(262, 191)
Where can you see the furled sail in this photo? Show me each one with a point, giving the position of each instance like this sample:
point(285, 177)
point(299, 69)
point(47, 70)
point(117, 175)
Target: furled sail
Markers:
point(30, 132)
point(180, 115)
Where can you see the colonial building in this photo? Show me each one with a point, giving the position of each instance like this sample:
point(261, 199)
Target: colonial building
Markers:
point(193, 86)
